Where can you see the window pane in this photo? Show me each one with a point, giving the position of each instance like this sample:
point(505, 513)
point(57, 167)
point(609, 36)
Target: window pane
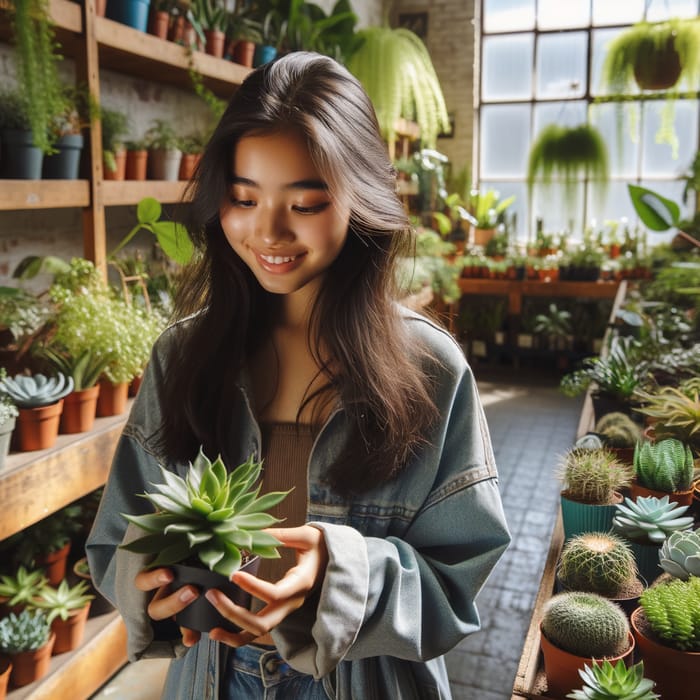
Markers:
point(660, 11)
point(614, 121)
point(600, 42)
point(561, 65)
point(549, 204)
point(555, 14)
point(508, 15)
point(507, 67)
point(565, 113)
point(617, 205)
point(505, 137)
point(658, 157)
point(618, 11)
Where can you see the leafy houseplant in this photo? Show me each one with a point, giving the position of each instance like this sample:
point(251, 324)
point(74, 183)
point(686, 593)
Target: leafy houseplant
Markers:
point(22, 156)
point(164, 150)
point(555, 327)
point(487, 209)
point(115, 126)
point(210, 518)
point(605, 681)
point(395, 69)
point(27, 639)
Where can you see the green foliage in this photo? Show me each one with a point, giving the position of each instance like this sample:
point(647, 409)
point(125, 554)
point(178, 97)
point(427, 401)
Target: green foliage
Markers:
point(593, 476)
point(59, 602)
point(603, 681)
point(597, 562)
point(36, 390)
point(650, 519)
point(210, 14)
point(395, 69)
point(568, 154)
point(211, 515)
point(161, 135)
point(27, 631)
point(115, 126)
point(585, 624)
point(673, 611)
point(13, 110)
point(680, 554)
point(8, 410)
point(486, 206)
point(656, 212)
point(666, 465)
point(554, 325)
point(618, 429)
point(23, 587)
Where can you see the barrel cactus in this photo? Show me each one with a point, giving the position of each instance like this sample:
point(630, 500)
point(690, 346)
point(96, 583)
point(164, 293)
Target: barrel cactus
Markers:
point(673, 612)
point(650, 519)
point(36, 390)
point(586, 624)
point(597, 562)
point(593, 476)
point(666, 465)
point(618, 430)
point(680, 554)
point(605, 681)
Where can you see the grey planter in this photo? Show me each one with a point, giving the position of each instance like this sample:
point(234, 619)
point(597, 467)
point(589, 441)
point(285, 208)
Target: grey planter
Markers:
point(164, 164)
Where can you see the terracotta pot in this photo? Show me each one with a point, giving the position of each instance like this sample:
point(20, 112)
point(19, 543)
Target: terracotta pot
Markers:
point(562, 667)
point(676, 673)
point(623, 454)
point(37, 428)
point(136, 165)
point(481, 236)
point(70, 632)
point(244, 53)
point(684, 498)
point(135, 385)
point(99, 605)
point(30, 666)
point(54, 564)
point(120, 172)
point(216, 42)
point(112, 398)
point(188, 164)
point(100, 7)
point(78, 415)
point(159, 25)
point(5, 670)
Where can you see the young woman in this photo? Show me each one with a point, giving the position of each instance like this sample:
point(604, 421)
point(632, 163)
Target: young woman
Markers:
point(291, 345)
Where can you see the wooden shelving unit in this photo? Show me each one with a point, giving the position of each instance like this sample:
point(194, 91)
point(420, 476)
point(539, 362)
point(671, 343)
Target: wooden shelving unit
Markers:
point(43, 194)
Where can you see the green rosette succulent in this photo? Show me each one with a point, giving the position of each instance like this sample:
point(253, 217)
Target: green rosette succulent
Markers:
point(650, 518)
point(605, 681)
point(680, 554)
point(210, 515)
point(666, 465)
point(36, 390)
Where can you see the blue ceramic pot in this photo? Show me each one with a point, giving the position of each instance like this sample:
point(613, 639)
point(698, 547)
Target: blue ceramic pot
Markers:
point(264, 54)
point(133, 13)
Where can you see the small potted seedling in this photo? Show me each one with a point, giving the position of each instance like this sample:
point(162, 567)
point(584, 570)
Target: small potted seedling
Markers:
point(206, 527)
point(27, 639)
point(17, 591)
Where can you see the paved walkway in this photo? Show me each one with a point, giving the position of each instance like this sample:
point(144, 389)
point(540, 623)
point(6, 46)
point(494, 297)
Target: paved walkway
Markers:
point(531, 426)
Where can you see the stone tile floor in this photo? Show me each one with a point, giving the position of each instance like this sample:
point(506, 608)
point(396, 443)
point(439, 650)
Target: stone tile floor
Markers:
point(531, 425)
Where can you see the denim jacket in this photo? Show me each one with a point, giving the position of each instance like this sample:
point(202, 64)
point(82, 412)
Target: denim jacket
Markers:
point(406, 559)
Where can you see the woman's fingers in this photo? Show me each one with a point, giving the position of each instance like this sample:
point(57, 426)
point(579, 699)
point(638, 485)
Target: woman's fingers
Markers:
point(189, 637)
point(149, 580)
point(165, 603)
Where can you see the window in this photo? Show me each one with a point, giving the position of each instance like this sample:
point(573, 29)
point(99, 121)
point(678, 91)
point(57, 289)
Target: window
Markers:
point(541, 62)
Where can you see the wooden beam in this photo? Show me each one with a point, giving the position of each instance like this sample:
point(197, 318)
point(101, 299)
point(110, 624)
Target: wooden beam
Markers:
point(121, 192)
point(43, 194)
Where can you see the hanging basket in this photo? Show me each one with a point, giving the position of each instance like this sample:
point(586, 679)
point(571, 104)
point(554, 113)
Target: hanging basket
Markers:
point(657, 67)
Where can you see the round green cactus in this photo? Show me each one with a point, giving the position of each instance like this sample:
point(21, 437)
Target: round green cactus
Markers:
point(593, 476)
point(586, 624)
point(680, 554)
point(597, 562)
point(618, 429)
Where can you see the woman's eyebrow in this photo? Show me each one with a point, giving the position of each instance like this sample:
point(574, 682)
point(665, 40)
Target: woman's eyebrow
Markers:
point(308, 184)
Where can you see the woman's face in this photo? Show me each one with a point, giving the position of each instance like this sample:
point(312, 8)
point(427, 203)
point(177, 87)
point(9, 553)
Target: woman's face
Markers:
point(279, 216)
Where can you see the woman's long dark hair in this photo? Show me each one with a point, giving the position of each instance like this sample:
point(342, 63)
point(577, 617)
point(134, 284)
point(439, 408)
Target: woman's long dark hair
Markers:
point(378, 372)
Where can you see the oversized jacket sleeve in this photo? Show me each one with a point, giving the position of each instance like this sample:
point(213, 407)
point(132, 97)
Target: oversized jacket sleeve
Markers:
point(412, 597)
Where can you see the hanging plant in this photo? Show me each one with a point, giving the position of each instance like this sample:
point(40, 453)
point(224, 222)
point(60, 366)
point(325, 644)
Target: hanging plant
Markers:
point(568, 155)
point(395, 68)
point(655, 56)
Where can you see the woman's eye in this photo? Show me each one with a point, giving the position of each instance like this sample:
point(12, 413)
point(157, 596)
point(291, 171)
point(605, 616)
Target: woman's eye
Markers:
point(242, 203)
point(317, 208)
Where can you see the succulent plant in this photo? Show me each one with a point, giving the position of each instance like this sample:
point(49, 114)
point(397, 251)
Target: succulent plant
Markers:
point(210, 515)
point(605, 681)
point(59, 602)
point(650, 518)
point(673, 612)
point(24, 632)
point(585, 624)
point(618, 430)
point(680, 554)
point(597, 562)
point(676, 409)
point(589, 441)
point(21, 588)
point(8, 409)
point(593, 476)
point(36, 390)
point(666, 465)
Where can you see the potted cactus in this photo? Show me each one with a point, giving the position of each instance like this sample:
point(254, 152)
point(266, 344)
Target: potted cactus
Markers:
point(8, 414)
point(576, 627)
point(207, 526)
point(602, 563)
point(40, 402)
point(645, 524)
point(679, 555)
point(605, 681)
point(666, 627)
point(619, 434)
point(663, 467)
point(66, 609)
point(591, 481)
point(28, 641)
point(18, 591)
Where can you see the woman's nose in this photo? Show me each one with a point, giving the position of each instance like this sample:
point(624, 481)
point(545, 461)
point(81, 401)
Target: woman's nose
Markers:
point(271, 225)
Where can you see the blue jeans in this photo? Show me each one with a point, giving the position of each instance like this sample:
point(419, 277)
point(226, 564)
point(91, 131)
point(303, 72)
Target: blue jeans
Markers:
point(260, 673)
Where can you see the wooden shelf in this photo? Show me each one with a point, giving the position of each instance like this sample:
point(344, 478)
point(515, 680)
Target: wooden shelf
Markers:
point(145, 56)
point(35, 484)
point(78, 674)
point(43, 194)
point(132, 191)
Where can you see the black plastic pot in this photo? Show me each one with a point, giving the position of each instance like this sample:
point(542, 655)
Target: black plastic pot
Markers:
point(65, 164)
point(201, 615)
point(21, 159)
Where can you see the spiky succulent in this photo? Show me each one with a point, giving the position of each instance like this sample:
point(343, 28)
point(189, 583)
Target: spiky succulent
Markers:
point(36, 390)
point(593, 476)
point(673, 611)
point(666, 465)
point(680, 554)
point(650, 518)
point(59, 602)
point(21, 588)
point(211, 515)
point(24, 632)
point(677, 410)
point(603, 681)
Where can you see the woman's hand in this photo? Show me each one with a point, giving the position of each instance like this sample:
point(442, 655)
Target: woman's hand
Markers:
point(281, 598)
point(165, 603)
